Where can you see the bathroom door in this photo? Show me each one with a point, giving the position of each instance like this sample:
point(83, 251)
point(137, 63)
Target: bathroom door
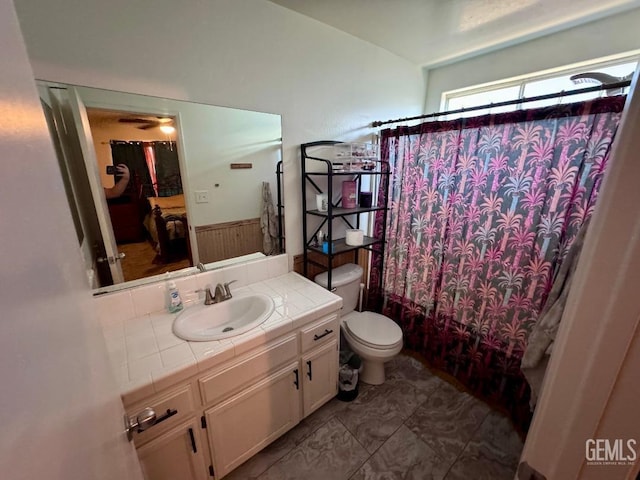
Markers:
point(71, 134)
point(61, 415)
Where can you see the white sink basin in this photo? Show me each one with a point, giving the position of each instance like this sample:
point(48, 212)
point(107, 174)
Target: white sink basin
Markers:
point(232, 317)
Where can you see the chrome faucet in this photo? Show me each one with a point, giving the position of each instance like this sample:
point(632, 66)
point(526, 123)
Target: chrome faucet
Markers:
point(221, 293)
point(227, 290)
point(208, 298)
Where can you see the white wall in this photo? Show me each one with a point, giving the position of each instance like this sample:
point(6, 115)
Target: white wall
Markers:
point(215, 137)
point(608, 36)
point(61, 416)
point(249, 54)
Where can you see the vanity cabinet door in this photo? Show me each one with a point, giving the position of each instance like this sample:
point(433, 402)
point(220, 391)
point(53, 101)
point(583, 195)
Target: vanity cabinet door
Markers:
point(177, 454)
point(320, 376)
point(247, 422)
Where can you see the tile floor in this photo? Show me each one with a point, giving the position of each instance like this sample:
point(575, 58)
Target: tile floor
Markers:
point(415, 426)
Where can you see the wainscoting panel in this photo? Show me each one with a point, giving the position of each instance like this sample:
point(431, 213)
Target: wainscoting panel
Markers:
point(230, 239)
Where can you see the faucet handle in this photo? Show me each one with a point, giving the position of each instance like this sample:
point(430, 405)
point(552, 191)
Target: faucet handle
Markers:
point(227, 290)
point(208, 297)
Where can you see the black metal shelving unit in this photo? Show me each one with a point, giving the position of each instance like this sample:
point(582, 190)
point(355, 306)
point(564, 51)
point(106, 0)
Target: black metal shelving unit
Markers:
point(350, 216)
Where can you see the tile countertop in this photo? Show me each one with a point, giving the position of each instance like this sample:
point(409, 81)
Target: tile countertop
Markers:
point(147, 357)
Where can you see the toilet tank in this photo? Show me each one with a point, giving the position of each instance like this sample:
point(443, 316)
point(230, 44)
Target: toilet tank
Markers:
point(346, 281)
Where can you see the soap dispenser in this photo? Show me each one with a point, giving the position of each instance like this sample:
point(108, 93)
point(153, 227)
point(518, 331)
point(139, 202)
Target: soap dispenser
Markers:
point(174, 302)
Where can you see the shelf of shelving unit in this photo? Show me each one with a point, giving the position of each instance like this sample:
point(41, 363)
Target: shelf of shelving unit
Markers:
point(349, 173)
point(350, 157)
point(339, 245)
point(343, 212)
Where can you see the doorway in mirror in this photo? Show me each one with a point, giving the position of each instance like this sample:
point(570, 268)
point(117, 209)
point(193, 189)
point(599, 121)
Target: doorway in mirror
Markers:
point(148, 214)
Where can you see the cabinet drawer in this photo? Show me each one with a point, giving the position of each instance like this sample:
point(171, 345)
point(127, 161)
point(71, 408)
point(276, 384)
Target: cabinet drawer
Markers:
point(179, 401)
point(225, 381)
point(319, 332)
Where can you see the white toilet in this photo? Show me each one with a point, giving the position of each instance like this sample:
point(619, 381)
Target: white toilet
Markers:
point(374, 337)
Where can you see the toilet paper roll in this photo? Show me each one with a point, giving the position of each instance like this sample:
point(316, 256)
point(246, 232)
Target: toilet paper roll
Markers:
point(354, 237)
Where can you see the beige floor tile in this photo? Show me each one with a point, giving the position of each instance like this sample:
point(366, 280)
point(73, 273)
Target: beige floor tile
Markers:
point(447, 420)
point(403, 456)
point(330, 452)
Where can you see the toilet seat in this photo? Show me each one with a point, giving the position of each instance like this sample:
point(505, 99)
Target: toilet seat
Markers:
point(373, 330)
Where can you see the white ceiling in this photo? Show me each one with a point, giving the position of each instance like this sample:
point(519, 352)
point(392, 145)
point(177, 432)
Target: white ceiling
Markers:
point(434, 32)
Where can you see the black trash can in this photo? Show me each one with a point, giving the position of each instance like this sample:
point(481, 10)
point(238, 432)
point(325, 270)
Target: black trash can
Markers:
point(348, 379)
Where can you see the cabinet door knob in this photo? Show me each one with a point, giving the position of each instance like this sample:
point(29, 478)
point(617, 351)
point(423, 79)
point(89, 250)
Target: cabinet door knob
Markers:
point(141, 421)
point(309, 374)
point(296, 382)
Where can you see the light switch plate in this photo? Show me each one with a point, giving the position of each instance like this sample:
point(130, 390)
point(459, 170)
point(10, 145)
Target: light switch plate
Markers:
point(202, 196)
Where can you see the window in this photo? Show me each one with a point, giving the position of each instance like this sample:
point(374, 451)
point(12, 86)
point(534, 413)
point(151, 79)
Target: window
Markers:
point(531, 86)
point(483, 98)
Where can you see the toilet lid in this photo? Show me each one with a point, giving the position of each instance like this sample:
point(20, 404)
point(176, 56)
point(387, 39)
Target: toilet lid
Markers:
point(373, 329)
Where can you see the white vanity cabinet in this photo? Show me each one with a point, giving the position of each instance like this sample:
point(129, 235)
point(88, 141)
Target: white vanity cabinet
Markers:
point(215, 420)
point(176, 454)
point(320, 350)
point(255, 399)
point(245, 423)
point(173, 447)
point(320, 377)
point(249, 421)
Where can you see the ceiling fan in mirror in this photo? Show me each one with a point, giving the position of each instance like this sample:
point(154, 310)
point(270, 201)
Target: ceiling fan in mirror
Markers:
point(146, 123)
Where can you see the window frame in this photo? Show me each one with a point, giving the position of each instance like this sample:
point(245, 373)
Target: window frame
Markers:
point(522, 80)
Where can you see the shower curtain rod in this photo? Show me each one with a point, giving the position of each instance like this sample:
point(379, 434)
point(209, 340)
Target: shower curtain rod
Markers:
point(116, 142)
point(608, 86)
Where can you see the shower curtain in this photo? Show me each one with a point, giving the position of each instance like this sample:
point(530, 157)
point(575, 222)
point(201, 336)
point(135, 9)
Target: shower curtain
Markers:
point(482, 213)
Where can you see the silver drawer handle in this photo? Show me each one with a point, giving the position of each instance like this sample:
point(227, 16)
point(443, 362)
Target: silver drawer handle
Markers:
point(145, 419)
point(326, 332)
point(141, 421)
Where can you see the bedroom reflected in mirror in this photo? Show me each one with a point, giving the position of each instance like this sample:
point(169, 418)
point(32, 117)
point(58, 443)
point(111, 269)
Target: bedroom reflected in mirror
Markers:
point(154, 186)
point(149, 216)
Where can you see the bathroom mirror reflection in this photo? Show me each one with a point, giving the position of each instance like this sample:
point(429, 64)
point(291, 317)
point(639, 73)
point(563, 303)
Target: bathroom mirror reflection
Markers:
point(197, 182)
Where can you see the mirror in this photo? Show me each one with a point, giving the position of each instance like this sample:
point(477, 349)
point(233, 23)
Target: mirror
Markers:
point(200, 179)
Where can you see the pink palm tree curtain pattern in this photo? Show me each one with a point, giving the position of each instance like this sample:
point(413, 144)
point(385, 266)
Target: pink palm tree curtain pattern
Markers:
point(482, 213)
